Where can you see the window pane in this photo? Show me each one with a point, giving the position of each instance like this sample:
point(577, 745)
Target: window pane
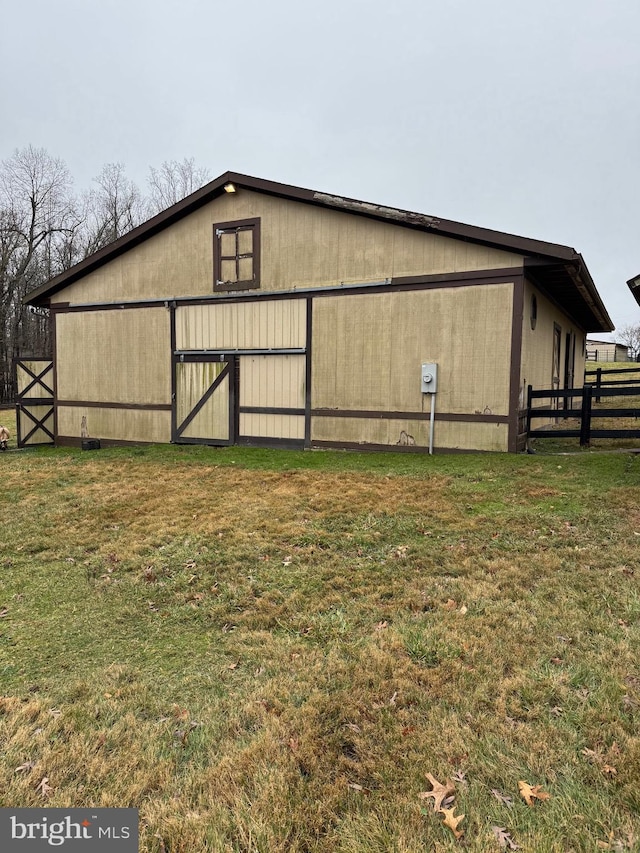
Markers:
point(245, 242)
point(246, 269)
point(228, 271)
point(228, 245)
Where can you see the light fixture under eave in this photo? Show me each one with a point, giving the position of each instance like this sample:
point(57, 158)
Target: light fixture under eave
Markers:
point(230, 188)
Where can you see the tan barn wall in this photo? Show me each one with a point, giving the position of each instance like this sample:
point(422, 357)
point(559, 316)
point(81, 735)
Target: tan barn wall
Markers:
point(271, 324)
point(537, 345)
point(114, 356)
point(396, 432)
point(116, 424)
point(302, 246)
point(368, 350)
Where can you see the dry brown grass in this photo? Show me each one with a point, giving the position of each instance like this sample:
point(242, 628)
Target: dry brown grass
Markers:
point(272, 660)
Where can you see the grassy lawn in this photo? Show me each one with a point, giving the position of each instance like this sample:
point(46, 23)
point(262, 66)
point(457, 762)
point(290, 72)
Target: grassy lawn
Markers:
point(268, 651)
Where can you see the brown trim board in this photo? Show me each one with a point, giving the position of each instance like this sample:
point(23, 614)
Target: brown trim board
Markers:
point(390, 448)
point(92, 404)
point(500, 275)
point(517, 319)
point(373, 414)
point(73, 441)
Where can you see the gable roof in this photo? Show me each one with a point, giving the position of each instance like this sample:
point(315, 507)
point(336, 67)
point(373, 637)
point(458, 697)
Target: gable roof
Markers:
point(558, 270)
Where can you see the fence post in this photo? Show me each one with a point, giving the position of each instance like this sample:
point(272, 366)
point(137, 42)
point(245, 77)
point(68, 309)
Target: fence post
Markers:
point(529, 390)
point(598, 383)
point(585, 416)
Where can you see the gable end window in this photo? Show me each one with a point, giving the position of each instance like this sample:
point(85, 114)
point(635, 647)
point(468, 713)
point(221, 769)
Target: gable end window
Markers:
point(236, 255)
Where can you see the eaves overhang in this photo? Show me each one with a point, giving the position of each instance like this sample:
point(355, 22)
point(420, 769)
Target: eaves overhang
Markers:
point(634, 286)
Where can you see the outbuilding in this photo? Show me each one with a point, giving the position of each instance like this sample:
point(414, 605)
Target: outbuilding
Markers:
point(257, 313)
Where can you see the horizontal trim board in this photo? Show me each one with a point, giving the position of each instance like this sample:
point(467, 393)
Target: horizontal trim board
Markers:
point(73, 441)
point(264, 441)
point(208, 442)
point(66, 308)
point(196, 355)
point(269, 410)
point(92, 404)
point(425, 282)
point(414, 416)
point(389, 448)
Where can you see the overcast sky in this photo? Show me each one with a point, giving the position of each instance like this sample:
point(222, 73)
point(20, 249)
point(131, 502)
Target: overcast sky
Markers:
point(509, 114)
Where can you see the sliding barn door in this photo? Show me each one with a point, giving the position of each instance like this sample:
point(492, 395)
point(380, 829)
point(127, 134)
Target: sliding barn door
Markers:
point(205, 401)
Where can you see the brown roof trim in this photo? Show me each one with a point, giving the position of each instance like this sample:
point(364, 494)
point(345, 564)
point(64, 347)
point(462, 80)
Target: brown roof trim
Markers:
point(634, 286)
point(445, 227)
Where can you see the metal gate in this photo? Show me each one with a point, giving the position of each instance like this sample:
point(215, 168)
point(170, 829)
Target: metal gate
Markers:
point(35, 406)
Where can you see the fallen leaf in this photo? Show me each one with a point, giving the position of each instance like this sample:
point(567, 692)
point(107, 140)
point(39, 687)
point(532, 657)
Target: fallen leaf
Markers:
point(28, 765)
point(360, 788)
point(504, 838)
point(460, 777)
point(180, 713)
point(381, 625)
point(44, 787)
point(438, 791)
point(450, 605)
point(530, 793)
point(591, 755)
point(287, 561)
point(4, 612)
point(506, 801)
point(464, 609)
point(608, 770)
point(451, 821)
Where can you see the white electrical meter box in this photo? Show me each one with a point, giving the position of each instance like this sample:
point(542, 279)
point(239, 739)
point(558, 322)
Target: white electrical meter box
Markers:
point(429, 378)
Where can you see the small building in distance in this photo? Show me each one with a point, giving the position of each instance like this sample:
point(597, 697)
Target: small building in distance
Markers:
point(607, 351)
point(253, 312)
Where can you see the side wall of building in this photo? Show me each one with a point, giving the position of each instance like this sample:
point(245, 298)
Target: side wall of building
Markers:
point(542, 320)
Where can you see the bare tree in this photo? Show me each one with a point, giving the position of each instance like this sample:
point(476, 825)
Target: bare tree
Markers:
point(630, 336)
point(45, 229)
point(112, 209)
point(174, 181)
point(37, 212)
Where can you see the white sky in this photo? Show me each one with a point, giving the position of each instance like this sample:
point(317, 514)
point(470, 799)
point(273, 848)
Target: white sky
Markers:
point(509, 114)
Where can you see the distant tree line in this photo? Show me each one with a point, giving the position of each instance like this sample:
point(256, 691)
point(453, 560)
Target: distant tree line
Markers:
point(45, 228)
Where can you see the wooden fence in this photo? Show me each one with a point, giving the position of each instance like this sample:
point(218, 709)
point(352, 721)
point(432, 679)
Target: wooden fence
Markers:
point(584, 412)
point(632, 374)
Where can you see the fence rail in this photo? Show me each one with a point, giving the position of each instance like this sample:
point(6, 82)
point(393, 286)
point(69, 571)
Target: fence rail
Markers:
point(585, 412)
